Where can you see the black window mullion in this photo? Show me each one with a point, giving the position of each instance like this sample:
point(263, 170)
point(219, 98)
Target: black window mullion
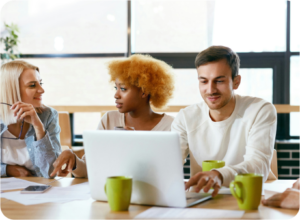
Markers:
point(73, 55)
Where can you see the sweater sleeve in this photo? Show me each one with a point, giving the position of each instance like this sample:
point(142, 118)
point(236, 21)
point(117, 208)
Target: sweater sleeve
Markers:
point(48, 148)
point(259, 147)
point(179, 126)
point(103, 122)
point(3, 165)
point(80, 170)
point(3, 169)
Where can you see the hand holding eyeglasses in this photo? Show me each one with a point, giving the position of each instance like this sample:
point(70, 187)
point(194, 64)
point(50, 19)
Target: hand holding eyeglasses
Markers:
point(28, 113)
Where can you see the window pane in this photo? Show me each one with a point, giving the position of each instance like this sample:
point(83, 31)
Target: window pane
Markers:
point(256, 82)
point(86, 121)
point(186, 87)
point(294, 95)
point(191, 26)
point(69, 26)
point(295, 30)
point(294, 124)
point(75, 81)
point(294, 80)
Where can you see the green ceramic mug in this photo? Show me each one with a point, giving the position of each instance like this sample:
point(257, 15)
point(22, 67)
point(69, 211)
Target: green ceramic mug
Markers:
point(208, 165)
point(247, 188)
point(118, 190)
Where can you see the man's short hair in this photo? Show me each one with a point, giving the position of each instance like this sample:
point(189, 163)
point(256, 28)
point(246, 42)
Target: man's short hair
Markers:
point(215, 53)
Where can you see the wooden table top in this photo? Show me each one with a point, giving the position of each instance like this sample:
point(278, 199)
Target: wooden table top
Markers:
point(91, 209)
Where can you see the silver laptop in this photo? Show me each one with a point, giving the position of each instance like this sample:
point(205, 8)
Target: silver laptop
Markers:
point(153, 160)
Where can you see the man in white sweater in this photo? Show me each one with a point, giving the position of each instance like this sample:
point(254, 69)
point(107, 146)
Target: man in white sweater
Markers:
point(239, 130)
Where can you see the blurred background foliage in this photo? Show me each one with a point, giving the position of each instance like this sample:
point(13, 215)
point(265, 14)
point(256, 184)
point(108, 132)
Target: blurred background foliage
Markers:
point(9, 39)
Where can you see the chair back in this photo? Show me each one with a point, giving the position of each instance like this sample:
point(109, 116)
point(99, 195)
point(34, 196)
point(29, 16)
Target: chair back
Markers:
point(65, 133)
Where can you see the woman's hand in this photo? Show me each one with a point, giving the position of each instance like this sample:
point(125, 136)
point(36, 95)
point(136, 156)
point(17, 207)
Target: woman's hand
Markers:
point(66, 157)
point(17, 171)
point(129, 128)
point(289, 199)
point(28, 113)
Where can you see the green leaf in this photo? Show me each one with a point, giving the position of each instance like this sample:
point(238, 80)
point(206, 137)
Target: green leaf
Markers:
point(6, 56)
point(13, 57)
point(10, 42)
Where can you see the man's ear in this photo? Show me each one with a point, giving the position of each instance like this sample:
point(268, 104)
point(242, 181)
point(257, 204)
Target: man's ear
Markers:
point(237, 82)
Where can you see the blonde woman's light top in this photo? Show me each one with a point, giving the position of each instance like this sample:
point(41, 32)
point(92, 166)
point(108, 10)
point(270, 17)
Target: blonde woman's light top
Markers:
point(14, 152)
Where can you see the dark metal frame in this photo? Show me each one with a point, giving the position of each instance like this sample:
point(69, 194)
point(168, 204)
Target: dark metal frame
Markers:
point(278, 61)
point(73, 55)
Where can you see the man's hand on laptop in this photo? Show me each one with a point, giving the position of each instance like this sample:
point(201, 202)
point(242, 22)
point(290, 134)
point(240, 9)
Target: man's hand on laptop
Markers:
point(66, 157)
point(206, 181)
point(296, 184)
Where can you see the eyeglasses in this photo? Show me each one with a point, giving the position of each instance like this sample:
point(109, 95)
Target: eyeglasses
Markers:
point(21, 125)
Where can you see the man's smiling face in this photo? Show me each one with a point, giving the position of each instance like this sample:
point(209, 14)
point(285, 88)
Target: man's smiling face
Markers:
point(215, 83)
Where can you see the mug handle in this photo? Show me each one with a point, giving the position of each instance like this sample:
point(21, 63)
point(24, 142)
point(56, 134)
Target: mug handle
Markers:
point(105, 189)
point(233, 185)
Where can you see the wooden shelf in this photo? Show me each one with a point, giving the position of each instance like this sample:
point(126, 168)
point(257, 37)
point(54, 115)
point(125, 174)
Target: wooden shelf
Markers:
point(172, 108)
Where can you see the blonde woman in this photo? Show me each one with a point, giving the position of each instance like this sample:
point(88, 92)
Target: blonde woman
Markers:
point(29, 130)
point(141, 82)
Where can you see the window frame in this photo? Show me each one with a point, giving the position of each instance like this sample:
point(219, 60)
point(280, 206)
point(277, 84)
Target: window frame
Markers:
point(278, 61)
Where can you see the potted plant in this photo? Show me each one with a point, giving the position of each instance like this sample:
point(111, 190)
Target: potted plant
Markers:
point(10, 40)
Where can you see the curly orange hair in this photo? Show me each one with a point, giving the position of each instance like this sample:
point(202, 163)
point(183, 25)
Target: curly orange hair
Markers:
point(153, 76)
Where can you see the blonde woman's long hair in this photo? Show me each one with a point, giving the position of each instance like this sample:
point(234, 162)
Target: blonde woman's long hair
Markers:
point(9, 87)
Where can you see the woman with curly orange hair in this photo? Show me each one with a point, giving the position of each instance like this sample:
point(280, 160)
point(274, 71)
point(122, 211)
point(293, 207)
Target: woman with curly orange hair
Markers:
point(140, 82)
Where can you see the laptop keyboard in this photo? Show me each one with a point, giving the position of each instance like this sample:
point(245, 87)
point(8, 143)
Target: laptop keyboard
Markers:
point(194, 195)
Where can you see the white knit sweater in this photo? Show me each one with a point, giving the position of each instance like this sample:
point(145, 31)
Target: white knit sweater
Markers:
point(245, 140)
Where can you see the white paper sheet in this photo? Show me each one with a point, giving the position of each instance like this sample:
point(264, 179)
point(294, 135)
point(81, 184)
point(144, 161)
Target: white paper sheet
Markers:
point(222, 191)
point(269, 213)
point(82, 187)
point(269, 189)
point(15, 183)
point(277, 186)
point(171, 213)
point(55, 194)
